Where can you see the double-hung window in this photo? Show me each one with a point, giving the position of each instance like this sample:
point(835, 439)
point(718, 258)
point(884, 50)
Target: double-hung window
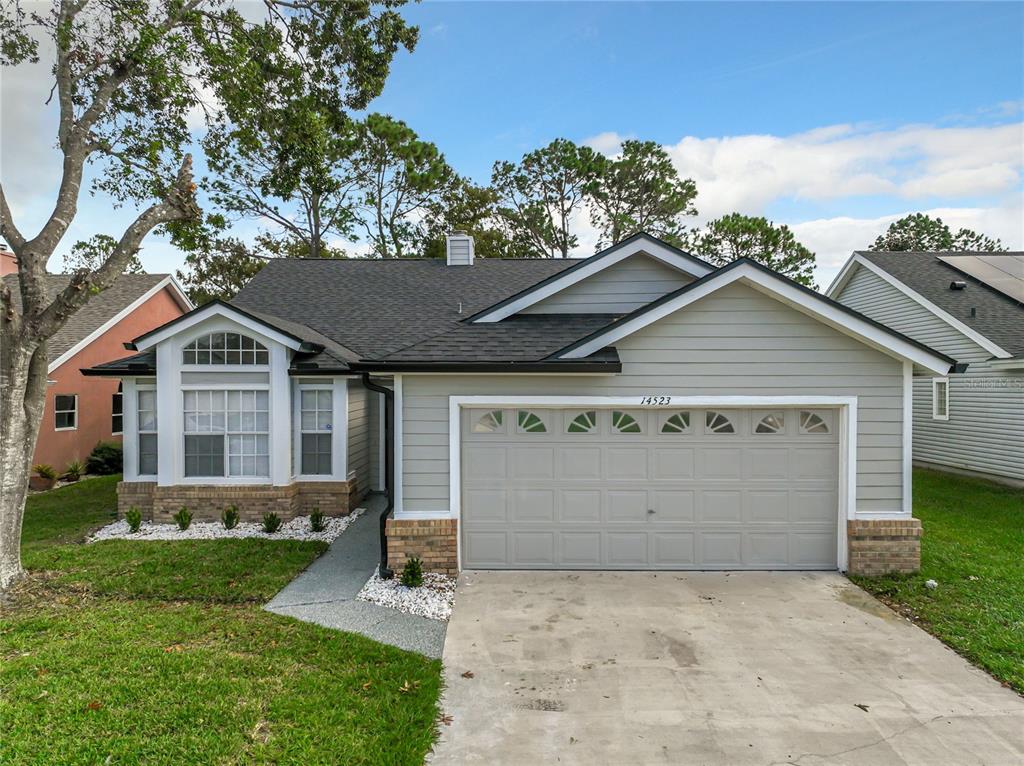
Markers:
point(65, 412)
point(146, 398)
point(940, 398)
point(227, 433)
point(316, 427)
point(117, 411)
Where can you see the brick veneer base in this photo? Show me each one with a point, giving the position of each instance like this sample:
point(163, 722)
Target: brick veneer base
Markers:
point(884, 546)
point(207, 501)
point(433, 541)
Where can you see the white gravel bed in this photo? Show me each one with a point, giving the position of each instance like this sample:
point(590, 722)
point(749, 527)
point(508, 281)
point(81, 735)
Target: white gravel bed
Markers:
point(296, 529)
point(433, 599)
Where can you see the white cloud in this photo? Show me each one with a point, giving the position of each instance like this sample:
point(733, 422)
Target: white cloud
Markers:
point(608, 143)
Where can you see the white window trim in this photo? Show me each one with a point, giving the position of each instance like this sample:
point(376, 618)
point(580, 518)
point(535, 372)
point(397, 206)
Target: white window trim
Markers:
point(114, 414)
point(339, 430)
point(55, 411)
point(138, 432)
point(226, 478)
point(847, 433)
point(935, 386)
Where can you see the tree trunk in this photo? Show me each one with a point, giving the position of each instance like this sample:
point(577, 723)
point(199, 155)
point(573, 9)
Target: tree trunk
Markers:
point(22, 396)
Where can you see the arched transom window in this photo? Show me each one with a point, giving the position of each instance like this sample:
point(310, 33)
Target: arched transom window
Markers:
point(225, 348)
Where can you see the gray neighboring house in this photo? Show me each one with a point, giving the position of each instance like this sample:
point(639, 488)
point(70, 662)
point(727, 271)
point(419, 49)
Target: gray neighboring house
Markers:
point(637, 409)
point(971, 307)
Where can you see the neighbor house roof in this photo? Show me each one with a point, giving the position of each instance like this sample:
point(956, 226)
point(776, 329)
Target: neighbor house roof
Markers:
point(996, 315)
point(100, 312)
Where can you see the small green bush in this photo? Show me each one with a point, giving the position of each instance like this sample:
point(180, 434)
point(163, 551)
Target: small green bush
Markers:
point(412, 573)
point(44, 470)
point(229, 517)
point(105, 459)
point(316, 521)
point(74, 470)
point(134, 518)
point(183, 518)
point(271, 523)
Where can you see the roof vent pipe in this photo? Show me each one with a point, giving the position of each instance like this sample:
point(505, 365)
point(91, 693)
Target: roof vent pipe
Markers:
point(957, 285)
point(459, 249)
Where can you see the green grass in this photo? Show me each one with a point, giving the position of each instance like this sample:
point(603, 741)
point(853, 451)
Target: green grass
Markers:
point(973, 546)
point(128, 652)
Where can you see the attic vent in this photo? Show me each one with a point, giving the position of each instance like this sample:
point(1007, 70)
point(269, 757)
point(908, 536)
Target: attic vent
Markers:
point(459, 249)
point(957, 285)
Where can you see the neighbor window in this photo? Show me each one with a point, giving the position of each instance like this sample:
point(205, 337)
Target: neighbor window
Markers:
point(65, 412)
point(117, 411)
point(316, 424)
point(940, 398)
point(146, 398)
point(227, 433)
point(225, 348)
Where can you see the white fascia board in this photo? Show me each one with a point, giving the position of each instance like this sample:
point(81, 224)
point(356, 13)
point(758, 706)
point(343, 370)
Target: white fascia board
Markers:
point(180, 295)
point(599, 262)
point(860, 261)
point(216, 309)
point(784, 292)
point(164, 283)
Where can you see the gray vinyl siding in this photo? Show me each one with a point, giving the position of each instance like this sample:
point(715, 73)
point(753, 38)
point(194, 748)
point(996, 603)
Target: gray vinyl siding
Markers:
point(734, 342)
point(359, 434)
point(619, 289)
point(985, 430)
point(374, 422)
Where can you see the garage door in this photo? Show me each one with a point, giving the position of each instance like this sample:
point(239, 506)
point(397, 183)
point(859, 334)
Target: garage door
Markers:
point(649, 488)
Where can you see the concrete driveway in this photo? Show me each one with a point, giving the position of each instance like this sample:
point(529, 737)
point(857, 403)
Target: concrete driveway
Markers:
point(703, 668)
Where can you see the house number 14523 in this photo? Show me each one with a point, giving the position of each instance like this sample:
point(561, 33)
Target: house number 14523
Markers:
point(660, 401)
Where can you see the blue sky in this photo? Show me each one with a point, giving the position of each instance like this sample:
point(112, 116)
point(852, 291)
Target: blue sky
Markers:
point(834, 118)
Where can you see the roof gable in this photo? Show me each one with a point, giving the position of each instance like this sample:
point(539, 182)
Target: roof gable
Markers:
point(186, 322)
point(764, 280)
point(639, 245)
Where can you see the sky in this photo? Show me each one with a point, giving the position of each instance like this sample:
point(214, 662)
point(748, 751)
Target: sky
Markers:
point(832, 118)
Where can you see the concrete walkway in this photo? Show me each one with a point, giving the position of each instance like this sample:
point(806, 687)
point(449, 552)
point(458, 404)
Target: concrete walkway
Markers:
point(715, 669)
point(325, 593)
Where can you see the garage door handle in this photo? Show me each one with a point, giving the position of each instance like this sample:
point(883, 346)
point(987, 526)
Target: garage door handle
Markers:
point(650, 510)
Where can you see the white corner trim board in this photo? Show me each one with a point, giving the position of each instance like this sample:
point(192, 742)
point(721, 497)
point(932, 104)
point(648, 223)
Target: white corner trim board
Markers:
point(908, 437)
point(860, 261)
point(847, 406)
point(807, 303)
point(640, 246)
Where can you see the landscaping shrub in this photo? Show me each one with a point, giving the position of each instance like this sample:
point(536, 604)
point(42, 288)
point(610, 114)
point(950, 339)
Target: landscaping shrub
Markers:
point(74, 470)
point(316, 521)
point(271, 523)
point(412, 573)
point(106, 458)
point(134, 518)
point(183, 518)
point(229, 518)
point(44, 471)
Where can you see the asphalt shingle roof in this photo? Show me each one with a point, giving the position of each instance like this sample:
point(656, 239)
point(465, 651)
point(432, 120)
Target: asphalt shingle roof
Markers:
point(100, 308)
point(998, 317)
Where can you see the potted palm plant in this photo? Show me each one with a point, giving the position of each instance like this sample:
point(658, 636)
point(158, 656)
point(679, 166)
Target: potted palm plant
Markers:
point(44, 477)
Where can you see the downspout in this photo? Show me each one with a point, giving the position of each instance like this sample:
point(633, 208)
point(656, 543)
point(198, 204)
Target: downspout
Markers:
point(389, 468)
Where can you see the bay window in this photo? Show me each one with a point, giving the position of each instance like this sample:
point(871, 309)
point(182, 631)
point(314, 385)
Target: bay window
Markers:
point(316, 428)
point(227, 433)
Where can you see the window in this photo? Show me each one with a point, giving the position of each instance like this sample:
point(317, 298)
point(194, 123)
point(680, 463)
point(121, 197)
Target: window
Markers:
point(65, 412)
point(531, 422)
point(676, 423)
point(489, 423)
point(117, 411)
point(772, 423)
point(940, 398)
point(624, 423)
point(225, 348)
point(316, 422)
point(813, 423)
point(227, 433)
point(147, 432)
point(584, 423)
point(718, 423)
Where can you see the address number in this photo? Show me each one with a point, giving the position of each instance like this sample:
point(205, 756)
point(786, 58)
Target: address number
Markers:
point(660, 401)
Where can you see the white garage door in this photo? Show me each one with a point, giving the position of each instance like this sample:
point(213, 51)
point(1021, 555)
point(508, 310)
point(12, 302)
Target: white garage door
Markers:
point(649, 488)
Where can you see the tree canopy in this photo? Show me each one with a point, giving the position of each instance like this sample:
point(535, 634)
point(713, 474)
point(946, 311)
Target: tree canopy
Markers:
point(922, 233)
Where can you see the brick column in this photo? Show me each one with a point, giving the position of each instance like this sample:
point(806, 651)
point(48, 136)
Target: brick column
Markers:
point(884, 546)
point(432, 541)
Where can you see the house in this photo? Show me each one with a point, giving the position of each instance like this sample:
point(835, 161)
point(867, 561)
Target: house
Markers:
point(637, 409)
point(81, 411)
point(971, 307)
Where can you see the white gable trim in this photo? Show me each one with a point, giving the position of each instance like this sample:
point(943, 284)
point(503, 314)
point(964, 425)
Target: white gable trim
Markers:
point(780, 289)
point(858, 260)
point(167, 282)
point(640, 245)
point(217, 309)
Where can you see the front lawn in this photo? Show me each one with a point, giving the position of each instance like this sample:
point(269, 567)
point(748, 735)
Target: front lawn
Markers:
point(973, 547)
point(128, 652)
